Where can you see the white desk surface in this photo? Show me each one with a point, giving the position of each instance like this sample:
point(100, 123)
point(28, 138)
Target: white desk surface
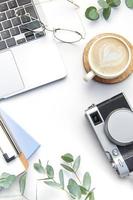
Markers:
point(54, 115)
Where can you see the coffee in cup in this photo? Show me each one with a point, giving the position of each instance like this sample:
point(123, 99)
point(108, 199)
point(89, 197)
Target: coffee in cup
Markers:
point(109, 56)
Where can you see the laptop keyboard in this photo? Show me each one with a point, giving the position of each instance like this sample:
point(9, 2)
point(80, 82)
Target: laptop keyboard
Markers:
point(12, 30)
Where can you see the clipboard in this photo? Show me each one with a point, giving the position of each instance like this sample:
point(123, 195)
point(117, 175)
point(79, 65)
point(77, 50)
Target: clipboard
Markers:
point(25, 141)
point(12, 159)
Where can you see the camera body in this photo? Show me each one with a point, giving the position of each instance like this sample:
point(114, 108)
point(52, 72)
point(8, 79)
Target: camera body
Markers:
point(112, 121)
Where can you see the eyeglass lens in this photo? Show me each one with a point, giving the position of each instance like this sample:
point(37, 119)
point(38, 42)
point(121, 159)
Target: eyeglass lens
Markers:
point(68, 36)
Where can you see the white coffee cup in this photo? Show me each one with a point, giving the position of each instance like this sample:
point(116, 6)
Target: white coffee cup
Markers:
point(109, 56)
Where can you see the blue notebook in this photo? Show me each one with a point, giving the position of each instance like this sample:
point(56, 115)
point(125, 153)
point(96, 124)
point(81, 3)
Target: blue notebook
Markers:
point(27, 144)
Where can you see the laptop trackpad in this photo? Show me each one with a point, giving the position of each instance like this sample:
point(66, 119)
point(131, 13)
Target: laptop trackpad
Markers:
point(10, 79)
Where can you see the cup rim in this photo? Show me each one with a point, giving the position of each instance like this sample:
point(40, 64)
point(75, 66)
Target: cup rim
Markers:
point(118, 73)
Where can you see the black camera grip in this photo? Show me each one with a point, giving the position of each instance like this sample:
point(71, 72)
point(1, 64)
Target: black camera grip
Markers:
point(116, 102)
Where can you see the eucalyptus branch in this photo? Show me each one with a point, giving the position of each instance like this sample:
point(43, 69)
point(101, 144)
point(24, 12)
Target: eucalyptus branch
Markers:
point(25, 197)
point(92, 13)
point(76, 175)
point(76, 190)
point(7, 180)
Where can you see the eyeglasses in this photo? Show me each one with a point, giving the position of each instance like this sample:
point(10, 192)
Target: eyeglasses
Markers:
point(70, 1)
point(60, 34)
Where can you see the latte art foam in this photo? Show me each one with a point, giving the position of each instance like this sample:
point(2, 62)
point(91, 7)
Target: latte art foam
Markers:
point(109, 56)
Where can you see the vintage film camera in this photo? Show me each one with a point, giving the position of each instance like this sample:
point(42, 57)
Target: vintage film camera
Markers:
point(112, 121)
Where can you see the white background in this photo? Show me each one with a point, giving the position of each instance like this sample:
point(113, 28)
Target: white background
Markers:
point(54, 114)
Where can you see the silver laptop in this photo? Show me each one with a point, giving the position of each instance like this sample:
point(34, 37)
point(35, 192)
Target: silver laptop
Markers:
point(27, 60)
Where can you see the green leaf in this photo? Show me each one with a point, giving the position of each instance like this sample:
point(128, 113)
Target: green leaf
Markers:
point(129, 3)
point(22, 183)
point(76, 163)
point(6, 180)
point(114, 3)
point(39, 168)
point(40, 162)
point(4, 175)
point(92, 13)
point(83, 190)
point(91, 196)
point(87, 181)
point(67, 168)
point(52, 184)
point(103, 4)
point(50, 171)
point(61, 177)
point(67, 158)
point(74, 188)
point(106, 13)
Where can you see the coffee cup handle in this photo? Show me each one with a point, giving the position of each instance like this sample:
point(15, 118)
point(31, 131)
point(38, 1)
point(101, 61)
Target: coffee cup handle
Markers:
point(89, 76)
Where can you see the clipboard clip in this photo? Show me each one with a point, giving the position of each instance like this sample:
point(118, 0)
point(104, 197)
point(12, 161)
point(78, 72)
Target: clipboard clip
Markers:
point(11, 140)
point(6, 157)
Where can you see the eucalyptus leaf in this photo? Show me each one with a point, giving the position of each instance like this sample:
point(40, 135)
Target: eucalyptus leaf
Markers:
point(39, 168)
point(67, 157)
point(74, 188)
point(52, 184)
point(103, 4)
point(70, 169)
point(83, 190)
point(40, 162)
point(114, 3)
point(106, 13)
point(92, 13)
point(76, 164)
point(6, 180)
point(4, 175)
point(129, 3)
point(61, 177)
point(22, 183)
point(87, 181)
point(91, 196)
point(50, 171)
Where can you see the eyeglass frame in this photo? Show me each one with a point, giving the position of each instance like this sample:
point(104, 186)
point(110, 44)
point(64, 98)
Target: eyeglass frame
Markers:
point(54, 30)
